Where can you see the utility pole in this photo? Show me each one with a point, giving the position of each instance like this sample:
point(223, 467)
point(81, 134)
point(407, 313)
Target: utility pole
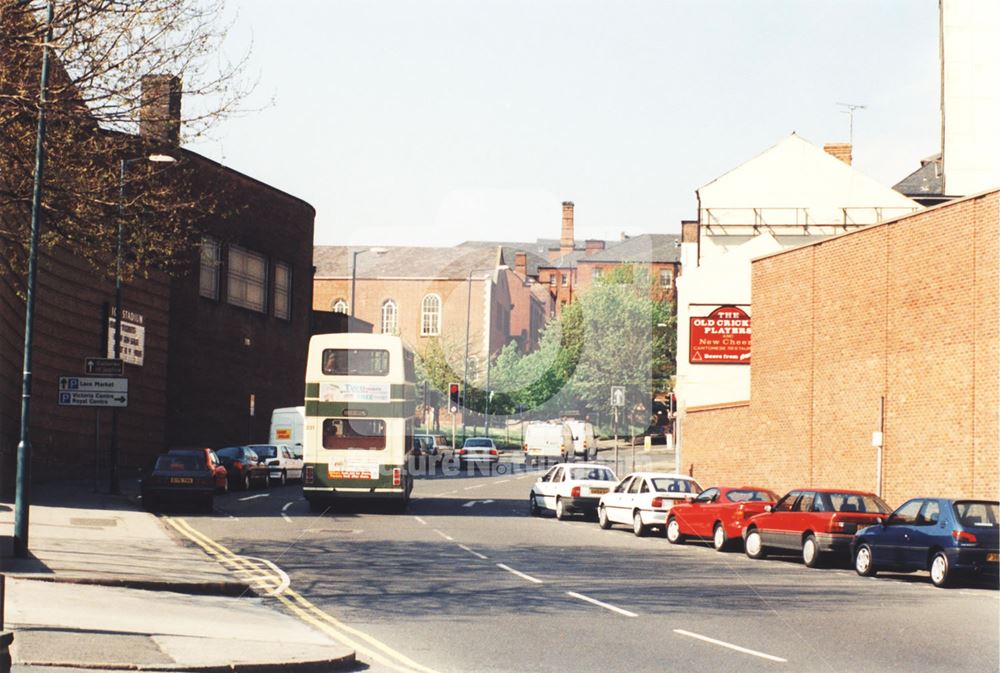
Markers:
point(465, 376)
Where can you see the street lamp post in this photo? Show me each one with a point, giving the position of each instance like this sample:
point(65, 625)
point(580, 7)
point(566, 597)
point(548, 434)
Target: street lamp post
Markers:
point(354, 270)
point(114, 486)
point(22, 495)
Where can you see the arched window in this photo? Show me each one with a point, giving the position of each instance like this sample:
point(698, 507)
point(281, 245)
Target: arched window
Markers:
point(430, 316)
point(340, 306)
point(390, 317)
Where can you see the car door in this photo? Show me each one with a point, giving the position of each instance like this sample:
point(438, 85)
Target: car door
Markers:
point(615, 500)
point(925, 532)
point(775, 528)
point(557, 480)
point(543, 488)
point(632, 498)
point(294, 469)
point(701, 513)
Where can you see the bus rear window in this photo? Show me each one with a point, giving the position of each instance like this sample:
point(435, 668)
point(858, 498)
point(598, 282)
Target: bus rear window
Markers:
point(354, 433)
point(355, 362)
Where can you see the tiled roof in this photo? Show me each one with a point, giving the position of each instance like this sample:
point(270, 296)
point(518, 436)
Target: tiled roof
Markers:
point(925, 181)
point(334, 261)
point(645, 248)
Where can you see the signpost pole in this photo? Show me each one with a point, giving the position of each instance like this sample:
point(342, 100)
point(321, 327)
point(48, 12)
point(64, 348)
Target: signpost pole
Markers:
point(616, 439)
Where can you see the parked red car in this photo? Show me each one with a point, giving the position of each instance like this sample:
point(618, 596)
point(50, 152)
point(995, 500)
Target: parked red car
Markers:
point(219, 473)
point(718, 513)
point(813, 521)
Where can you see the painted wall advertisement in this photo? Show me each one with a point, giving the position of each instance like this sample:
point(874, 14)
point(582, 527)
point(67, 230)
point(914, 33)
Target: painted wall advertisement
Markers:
point(721, 338)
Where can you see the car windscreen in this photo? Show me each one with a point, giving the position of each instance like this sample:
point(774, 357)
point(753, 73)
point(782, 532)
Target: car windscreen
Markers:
point(478, 442)
point(977, 513)
point(850, 502)
point(265, 451)
point(230, 452)
point(669, 485)
point(751, 495)
point(180, 463)
point(592, 473)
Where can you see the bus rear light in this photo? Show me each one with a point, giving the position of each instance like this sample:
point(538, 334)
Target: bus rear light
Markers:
point(308, 475)
point(396, 476)
point(575, 492)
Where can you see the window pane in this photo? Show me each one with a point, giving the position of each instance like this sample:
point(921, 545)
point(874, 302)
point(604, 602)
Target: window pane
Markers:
point(282, 291)
point(211, 258)
point(340, 306)
point(353, 433)
point(247, 279)
point(389, 317)
point(430, 315)
point(355, 362)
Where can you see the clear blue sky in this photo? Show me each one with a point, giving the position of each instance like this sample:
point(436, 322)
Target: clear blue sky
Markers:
point(434, 121)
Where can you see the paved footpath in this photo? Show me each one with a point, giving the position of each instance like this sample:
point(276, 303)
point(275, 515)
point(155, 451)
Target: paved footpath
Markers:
point(110, 587)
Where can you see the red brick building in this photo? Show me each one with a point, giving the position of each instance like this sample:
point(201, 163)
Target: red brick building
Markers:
point(892, 328)
point(227, 334)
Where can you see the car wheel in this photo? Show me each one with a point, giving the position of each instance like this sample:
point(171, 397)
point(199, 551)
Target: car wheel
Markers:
point(283, 479)
point(719, 539)
point(673, 531)
point(149, 503)
point(810, 551)
point(209, 504)
point(533, 509)
point(561, 512)
point(602, 518)
point(225, 486)
point(754, 546)
point(461, 465)
point(941, 574)
point(863, 561)
point(245, 485)
point(637, 526)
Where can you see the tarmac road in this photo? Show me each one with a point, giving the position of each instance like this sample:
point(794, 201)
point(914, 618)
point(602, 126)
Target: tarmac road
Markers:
point(466, 581)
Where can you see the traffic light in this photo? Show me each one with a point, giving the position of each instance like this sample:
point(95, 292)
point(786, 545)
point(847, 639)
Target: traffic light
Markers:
point(453, 396)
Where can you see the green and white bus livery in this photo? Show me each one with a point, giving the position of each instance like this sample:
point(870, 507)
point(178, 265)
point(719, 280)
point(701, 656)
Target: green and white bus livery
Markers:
point(359, 409)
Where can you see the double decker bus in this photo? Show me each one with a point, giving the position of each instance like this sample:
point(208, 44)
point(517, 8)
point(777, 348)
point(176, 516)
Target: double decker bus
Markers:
point(359, 410)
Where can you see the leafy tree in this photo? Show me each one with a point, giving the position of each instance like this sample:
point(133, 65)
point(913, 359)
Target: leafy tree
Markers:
point(100, 52)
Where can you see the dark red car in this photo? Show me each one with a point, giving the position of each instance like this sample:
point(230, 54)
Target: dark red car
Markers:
point(718, 513)
point(813, 521)
point(219, 472)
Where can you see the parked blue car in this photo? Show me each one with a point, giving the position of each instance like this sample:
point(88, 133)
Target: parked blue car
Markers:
point(942, 535)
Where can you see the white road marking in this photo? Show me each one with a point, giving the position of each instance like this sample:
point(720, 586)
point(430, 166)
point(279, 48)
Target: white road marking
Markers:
point(473, 502)
point(444, 535)
point(251, 497)
point(502, 481)
point(283, 580)
point(519, 573)
point(420, 521)
point(744, 650)
point(469, 488)
point(285, 509)
point(602, 604)
point(474, 553)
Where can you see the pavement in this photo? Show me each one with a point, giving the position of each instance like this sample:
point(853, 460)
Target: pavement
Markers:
point(108, 586)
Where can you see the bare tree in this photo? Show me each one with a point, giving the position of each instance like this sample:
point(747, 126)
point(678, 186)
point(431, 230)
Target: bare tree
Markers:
point(102, 51)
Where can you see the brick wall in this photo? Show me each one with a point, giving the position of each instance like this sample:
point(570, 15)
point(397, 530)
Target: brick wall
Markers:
point(716, 435)
point(906, 311)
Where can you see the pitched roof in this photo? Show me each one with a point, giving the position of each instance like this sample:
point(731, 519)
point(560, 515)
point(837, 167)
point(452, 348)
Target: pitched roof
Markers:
point(928, 180)
point(644, 249)
point(334, 261)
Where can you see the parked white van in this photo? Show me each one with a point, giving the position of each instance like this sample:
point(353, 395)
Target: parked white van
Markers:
point(548, 440)
point(584, 443)
point(287, 427)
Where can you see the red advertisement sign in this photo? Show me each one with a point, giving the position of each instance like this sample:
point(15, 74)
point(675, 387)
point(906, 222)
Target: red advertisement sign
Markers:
point(720, 338)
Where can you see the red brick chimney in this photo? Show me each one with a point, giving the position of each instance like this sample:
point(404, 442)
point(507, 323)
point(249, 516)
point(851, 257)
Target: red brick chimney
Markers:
point(594, 245)
point(521, 264)
point(841, 151)
point(160, 110)
point(567, 242)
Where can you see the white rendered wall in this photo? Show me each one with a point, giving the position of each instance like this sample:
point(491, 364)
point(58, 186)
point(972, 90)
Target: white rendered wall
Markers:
point(971, 95)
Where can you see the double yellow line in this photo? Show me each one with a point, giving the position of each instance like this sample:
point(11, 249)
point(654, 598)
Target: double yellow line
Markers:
point(360, 642)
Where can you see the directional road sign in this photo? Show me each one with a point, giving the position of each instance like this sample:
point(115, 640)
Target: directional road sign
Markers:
point(92, 391)
point(618, 396)
point(103, 367)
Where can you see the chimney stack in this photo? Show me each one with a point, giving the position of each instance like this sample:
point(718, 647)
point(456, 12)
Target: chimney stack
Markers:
point(594, 245)
point(160, 110)
point(841, 151)
point(521, 264)
point(567, 242)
